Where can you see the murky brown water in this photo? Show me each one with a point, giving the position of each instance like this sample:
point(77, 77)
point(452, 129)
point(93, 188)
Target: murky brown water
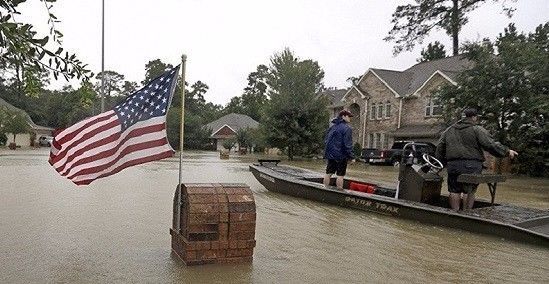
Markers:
point(116, 231)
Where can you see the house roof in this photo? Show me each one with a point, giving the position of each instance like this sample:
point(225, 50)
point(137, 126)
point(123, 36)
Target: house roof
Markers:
point(234, 121)
point(408, 81)
point(334, 96)
point(27, 117)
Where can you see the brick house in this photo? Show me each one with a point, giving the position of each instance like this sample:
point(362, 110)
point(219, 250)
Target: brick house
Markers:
point(226, 127)
point(392, 105)
point(35, 131)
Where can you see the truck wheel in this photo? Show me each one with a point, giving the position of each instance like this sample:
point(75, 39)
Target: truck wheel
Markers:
point(395, 162)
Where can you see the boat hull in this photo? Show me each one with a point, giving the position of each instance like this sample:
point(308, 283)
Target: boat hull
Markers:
point(304, 188)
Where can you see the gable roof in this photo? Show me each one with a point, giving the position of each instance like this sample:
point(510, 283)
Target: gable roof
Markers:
point(408, 81)
point(234, 121)
point(27, 117)
point(335, 96)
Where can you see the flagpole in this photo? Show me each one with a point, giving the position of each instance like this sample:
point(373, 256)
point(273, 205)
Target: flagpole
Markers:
point(103, 57)
point(182, 128)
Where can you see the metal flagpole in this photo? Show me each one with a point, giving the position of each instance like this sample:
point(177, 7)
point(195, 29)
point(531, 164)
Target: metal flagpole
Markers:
point(103, 57)
point(183, 63)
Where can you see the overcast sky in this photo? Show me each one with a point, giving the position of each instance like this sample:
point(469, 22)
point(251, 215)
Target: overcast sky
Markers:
point(225, 40)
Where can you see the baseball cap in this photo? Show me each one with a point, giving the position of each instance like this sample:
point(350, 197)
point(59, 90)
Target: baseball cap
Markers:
point(345, 112)
point(470, 112)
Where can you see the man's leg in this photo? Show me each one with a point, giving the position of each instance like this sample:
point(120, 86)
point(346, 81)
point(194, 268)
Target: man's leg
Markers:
point(454, 192)
point(327, 178)
point(455, 200)
point(339, 182)
point(469, 198)
point(340, 173)
point(330, 170)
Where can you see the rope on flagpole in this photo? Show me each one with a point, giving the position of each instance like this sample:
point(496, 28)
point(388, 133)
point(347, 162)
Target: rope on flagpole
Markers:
point(103, 57)
point(182, 128)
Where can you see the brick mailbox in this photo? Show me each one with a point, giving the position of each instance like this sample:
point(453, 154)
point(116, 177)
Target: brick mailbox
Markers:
point(216, 223)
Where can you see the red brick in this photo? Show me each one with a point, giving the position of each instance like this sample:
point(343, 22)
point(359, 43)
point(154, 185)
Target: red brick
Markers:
point(224, 207)
point(223, 217)
point(203, 218)
point(240, 198)
point(214, 245)
point(203, 228)
point(202, 198)
point(223, 231)
point(211, 236)
point(203, 208)
point(221, 253)
point(228, 185)
point(222, 197)
point(201, 190)
point(224, 244)
point(208, 254)
point(233, 244)
point(241, 226)
point(237, 190)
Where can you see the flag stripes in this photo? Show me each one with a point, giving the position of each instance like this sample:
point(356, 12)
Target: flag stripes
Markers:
point(132, 133)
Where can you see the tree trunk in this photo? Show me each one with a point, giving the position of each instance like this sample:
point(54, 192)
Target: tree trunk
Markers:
point(455, 26)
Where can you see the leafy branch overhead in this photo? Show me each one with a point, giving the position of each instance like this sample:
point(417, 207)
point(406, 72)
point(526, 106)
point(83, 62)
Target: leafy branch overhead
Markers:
point(413, 22)
point(21, 46)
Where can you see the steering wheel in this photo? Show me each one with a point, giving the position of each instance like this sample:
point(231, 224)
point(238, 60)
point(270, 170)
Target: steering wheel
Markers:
point(433, 162)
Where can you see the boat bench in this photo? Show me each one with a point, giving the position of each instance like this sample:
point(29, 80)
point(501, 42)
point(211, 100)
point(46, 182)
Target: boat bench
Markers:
point(490, 179)
point(268, 161)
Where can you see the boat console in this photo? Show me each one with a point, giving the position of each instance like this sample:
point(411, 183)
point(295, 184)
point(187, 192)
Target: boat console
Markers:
point(418, 178)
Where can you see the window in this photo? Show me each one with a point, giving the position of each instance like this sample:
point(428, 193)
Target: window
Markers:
point(379, 111)
point(378, 141)
point(373, 111)
point(371, 140)
point(433, 107)
point(387, 109)
point(386, 141)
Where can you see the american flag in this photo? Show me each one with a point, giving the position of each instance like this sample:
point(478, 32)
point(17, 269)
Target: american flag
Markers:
point(132, 133)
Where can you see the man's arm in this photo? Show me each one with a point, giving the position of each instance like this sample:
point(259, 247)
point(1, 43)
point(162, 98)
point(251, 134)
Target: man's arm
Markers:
point(348, 143)
point(440, 152)
point(490, 145)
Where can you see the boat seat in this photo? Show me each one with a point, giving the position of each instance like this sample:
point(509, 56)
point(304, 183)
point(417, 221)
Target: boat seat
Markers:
point(490, 179)
point(268, 161)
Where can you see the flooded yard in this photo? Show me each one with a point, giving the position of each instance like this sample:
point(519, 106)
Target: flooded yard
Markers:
point(116, 230)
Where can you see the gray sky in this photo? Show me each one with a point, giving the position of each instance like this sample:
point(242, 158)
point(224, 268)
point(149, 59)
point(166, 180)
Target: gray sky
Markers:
point(226, 40)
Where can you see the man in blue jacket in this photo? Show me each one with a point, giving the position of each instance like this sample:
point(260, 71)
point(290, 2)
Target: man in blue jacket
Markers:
point(339, 148)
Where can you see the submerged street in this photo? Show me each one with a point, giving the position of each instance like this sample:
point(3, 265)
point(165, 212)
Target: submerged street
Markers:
point(117, 230)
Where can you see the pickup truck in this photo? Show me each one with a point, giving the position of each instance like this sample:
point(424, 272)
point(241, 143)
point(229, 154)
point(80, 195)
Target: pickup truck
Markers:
point(393, 156)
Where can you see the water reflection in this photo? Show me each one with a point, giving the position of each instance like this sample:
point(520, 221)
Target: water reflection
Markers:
point(116, 230)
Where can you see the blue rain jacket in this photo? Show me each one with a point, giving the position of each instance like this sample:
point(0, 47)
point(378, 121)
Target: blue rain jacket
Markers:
point(339, 141)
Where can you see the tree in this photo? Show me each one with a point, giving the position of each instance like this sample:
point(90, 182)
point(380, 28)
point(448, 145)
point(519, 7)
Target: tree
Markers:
point(254, 97)
point(509, 85)
point(433, 51)
point(113, 83)
point(153, 69)
point(413, 22)
point(15, 122)
point(295, 118)
point(21, 47)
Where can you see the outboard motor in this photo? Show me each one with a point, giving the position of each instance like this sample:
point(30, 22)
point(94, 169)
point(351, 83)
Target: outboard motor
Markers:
point(418, 178)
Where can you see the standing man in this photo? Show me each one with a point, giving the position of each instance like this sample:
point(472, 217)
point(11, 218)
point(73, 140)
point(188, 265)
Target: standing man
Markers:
point(461, 146)
point(339, 148)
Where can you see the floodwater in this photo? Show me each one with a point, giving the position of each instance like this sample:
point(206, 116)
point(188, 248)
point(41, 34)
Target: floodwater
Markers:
point(117, 231)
